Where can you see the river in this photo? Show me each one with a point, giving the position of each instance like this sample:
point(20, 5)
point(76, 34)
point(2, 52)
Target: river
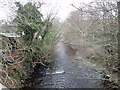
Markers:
point(66, 72)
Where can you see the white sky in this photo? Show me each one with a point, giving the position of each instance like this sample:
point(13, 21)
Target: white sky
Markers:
point(62, 6)
point(65, 8)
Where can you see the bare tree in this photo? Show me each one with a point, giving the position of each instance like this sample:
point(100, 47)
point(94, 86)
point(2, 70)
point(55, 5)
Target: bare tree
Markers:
point(93, 30)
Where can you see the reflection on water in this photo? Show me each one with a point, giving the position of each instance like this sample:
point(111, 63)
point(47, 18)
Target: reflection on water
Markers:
point(60, 50)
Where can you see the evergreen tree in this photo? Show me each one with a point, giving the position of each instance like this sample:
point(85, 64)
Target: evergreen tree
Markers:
point(31, 22)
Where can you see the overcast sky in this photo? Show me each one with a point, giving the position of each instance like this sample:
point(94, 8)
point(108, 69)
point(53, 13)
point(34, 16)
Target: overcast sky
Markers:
point(63, 7)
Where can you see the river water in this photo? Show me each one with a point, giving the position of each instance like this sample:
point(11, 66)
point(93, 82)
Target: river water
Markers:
point(66, 72)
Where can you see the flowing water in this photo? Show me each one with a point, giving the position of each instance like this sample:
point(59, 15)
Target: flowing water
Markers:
point(66, 72)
